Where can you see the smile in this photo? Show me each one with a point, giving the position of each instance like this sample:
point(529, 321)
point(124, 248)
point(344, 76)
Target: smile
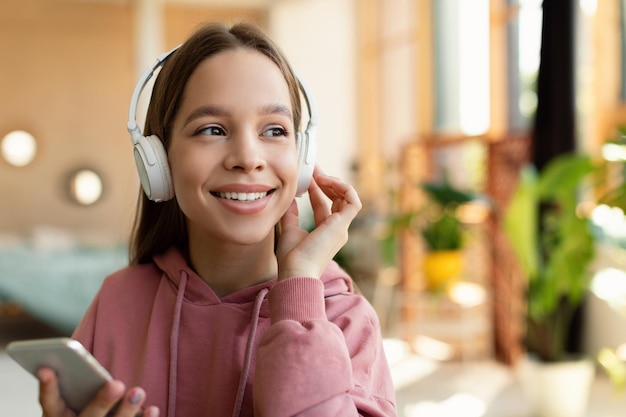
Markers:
point(242, 196)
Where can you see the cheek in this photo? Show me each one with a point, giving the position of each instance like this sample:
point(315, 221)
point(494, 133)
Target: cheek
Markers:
point(186, 168)
point(288, 168)
point(187, 178)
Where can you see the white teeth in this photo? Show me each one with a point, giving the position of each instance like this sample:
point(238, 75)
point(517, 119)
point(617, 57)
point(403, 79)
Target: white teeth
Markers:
point(242, 196)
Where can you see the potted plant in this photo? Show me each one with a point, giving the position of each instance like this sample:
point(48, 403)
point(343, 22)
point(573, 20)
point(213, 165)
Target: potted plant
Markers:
point(555, 247)
point(443, 234)
point(438, 225)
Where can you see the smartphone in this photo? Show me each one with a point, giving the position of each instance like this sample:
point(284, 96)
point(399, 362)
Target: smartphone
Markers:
point(79, 373)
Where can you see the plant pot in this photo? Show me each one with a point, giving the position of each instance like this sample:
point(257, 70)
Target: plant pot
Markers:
point(556, 389)
point(442, 268)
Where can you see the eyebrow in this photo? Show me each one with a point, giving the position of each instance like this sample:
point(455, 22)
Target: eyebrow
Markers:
point(206, 111)
point(275, 108)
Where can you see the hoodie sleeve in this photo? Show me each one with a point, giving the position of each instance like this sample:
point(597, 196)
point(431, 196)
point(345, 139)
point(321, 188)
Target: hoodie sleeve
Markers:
point(321, 356)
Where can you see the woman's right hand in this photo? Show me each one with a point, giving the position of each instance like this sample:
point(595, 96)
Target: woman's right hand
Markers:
point(102, 405)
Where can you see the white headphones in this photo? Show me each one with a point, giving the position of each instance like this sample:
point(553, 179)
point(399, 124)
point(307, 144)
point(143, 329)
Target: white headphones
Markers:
point(151, 158)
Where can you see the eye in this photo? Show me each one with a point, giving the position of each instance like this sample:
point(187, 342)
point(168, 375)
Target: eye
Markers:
point(211, 131)
point(275, 132)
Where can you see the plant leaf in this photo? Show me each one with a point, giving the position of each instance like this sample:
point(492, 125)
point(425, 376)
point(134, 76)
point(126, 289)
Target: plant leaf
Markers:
point(562, 175)
point(519, 218)
point(445, 194)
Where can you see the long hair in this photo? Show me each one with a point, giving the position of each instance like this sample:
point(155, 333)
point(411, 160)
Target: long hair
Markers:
point(159, 226)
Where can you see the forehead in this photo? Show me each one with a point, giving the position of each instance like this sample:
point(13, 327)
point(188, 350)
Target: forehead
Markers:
point(237, 76)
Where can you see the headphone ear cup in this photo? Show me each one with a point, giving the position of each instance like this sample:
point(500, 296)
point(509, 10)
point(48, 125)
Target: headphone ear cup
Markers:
point(307, 150)
point(153, 168)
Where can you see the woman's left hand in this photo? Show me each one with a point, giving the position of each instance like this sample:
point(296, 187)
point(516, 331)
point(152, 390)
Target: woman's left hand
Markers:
point(306, 254)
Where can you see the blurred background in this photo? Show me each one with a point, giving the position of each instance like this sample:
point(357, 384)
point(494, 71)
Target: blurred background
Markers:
point(434, 109)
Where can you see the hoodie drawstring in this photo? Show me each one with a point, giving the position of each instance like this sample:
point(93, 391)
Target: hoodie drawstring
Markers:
point(171, 403)
point(254, 321)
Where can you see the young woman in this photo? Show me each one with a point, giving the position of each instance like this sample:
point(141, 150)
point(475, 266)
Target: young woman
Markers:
point(228, 307)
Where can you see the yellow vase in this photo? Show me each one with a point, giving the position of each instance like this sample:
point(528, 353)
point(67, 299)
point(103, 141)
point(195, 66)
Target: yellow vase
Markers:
point(442, 268)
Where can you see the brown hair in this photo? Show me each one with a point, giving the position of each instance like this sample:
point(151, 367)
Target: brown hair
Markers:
point(159, 226)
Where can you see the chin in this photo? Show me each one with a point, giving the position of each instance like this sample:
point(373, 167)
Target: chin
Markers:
point(250, 236)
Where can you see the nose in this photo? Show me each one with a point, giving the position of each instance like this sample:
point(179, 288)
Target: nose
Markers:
point(245, 152)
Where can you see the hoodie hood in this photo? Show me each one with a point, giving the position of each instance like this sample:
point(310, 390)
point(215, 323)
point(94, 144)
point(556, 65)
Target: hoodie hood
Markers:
point(172, 263)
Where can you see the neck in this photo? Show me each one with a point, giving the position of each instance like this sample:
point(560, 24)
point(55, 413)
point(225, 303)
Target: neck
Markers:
point(229, 268)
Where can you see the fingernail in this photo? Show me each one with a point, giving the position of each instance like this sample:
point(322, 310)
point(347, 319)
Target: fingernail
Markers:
point(151, 412)
point(43, 376)
point(135, 396)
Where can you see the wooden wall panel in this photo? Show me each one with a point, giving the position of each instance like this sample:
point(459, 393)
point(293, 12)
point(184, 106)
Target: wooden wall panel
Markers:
point(66, 76)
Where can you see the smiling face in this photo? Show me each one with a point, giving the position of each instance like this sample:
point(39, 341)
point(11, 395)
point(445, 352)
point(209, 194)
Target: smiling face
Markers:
point(232, 152)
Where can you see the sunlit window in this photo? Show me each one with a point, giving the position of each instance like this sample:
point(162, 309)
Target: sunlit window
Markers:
point(85, 187)
point(18, 148)
point(474, 63)
point(462, 66)
point(463, 63)
point(529, 38)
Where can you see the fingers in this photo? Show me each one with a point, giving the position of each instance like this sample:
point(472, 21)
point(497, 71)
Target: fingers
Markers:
point(319, 202)
point(288, 229)
point(151, 412)
point(343, 197)
point(336, 215)
point(290, 218)
point(302, 253)
point(49, 394)
point(106, 399)
point(130, 405)
point(110, 400)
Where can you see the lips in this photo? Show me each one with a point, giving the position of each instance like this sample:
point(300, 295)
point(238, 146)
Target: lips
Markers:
point(243, 200)
point(242, 196)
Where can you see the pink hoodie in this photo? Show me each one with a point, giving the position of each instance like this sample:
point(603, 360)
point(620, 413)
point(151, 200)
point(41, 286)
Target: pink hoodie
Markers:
point(301, 347)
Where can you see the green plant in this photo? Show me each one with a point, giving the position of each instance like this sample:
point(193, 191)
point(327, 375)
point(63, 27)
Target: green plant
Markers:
point(555, 247)
point(614, 367)
point(441, 228)
point(613, 150)
point(444, 232)
point(437, 222)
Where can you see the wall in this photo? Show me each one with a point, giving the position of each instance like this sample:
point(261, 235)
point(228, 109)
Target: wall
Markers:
point(66, 75)
point(318, 36)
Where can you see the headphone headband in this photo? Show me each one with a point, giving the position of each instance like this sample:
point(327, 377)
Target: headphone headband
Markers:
point(131, 126)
